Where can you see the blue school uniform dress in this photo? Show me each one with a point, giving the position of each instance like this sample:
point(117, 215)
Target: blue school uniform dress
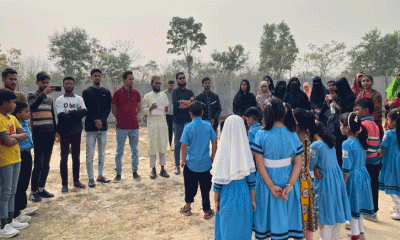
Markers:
point(235, 217)
point(253, 130)
point(359, 182)
point(274, 217)
point(389, 178)
point(330, 191)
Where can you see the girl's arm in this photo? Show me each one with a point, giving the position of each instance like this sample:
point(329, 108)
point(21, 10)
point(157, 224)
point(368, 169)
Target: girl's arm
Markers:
point(253, 199)
point(276, 190)
point(293, 177)
point(216, 200)
point(382, 154)
point(345, 177)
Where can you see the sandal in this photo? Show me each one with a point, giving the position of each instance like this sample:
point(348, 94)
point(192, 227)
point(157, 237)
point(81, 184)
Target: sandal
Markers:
point(208, 214)
point(186, 211)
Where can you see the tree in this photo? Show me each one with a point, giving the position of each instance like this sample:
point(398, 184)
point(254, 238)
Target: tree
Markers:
point(278, 49)
point(327, 57)
point(72, 52)
point(185, 37)
point(113, 65)
point(11, 59)
point(232, 60)
point(143, 72)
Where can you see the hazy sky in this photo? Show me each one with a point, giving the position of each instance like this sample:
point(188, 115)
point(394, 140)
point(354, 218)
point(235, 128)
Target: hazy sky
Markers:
point(27, 24)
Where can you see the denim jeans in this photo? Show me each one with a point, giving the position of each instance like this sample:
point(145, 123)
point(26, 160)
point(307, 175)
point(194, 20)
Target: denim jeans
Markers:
point(133, 135)
point(9, 175)
point(91, 137)
point(178, 130)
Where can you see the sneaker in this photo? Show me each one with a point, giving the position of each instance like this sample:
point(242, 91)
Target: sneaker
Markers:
point(29, 210)
point(17, 225)
point(396, 215)
point(117, 178)
point(45, 194)
point(177, 170)
point(135, 175)
point(153, 174)
point(64, 189)
point(164, 173)
point(91, 183)
point(8, 231)
point(34, 197)
point(103, 179)
point(79, 185)
point(23, 218)
point(393, 210)
point(373, 218)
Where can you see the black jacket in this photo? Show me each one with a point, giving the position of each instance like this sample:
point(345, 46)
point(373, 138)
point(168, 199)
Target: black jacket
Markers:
point(98, 105)
point(242, 102)
point(211, 106)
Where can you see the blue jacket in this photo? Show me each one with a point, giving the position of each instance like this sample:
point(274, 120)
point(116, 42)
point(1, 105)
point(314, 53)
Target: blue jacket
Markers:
point(28, 143)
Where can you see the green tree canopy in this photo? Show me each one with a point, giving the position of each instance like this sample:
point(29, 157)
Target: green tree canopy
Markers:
point(232, 60)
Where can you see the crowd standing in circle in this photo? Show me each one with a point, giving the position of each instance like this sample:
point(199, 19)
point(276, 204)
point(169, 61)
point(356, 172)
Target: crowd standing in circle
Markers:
point(290, 162)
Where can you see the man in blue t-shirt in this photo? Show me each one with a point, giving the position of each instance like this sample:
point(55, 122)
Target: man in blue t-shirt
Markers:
point(196, 161)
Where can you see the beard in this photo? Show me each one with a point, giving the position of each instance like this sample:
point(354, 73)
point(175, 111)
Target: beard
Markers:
point(181, 85)
point(156, 90)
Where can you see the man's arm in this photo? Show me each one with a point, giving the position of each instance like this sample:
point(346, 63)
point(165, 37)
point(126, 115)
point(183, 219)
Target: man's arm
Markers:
point(183, 154)
point(214, 149)
point(114, 110)
point(218, 109)
point(138, 108)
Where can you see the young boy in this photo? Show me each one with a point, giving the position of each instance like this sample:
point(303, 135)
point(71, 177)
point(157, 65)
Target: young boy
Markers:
point(196, 161)
point(21, 207)
point(364, 108)
point(253, 118)
point(11, 133)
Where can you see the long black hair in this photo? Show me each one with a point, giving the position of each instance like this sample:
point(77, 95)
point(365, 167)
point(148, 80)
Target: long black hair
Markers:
point(305, 119)
point(276, 110)
point(271, 83)
point(324, 133)
point(394, 115)
point(351, 119)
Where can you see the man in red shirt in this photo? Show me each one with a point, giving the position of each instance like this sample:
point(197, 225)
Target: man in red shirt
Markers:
point(125, 106)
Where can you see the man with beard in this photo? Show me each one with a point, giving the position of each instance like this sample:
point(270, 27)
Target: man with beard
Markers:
point(70, 111)
point(9, 78)
point(211, 104)
point(126, 105)
point(181, 100)
point(156, 126)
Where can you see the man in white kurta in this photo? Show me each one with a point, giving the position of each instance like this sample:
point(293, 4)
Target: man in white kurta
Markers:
point(155, 105)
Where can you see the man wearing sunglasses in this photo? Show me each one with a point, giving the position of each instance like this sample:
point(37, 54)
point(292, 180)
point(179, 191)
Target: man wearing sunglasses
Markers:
point(181, 100)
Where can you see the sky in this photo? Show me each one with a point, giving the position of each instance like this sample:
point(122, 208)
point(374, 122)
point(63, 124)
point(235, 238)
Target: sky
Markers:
point(27, 25)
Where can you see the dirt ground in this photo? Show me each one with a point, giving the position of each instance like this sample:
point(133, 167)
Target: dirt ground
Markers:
point(140, 209)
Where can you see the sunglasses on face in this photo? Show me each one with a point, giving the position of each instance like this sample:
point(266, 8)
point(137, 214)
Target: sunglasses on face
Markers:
point(157, 83)
point(181, 78)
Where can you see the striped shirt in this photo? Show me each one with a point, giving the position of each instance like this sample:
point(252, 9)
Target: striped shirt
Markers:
point(42, 112)
point(373, 139)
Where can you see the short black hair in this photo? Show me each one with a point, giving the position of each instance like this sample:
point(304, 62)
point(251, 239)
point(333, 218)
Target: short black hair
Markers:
point(68, 78)
point(267, 77)
point(19, 106)
point(331, 81)
point(7, 71)
point(6, 95)
point(95, 71)
point(153, 78)
point(205, 79)
point(253, 112)
point(366, 103)
point(41, 76)
point(196, 108)
point(171, 82)
point(126, 74)
point(177, 75)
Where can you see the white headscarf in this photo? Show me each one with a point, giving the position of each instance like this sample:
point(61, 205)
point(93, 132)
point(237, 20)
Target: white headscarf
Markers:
point(233, 160)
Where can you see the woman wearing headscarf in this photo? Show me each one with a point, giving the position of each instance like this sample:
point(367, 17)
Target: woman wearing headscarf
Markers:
point(307, 89)
point(295, 97)
point(234, 182)
point(270, 83)
point(357, 87)
point(280, 90)
point(345, 96)
point(263, 94)
point(317, 100)
point(243, 99)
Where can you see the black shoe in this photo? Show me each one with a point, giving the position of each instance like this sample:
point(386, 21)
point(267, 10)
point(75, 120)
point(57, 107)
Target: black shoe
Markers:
point(117, 178)
point(153, 174)
point(34, 197)
point(91, 183)
point(136, 176)
point(164, 173)
point(79, 185)
point(103, 179)
point(64, 189)
point(45, 194)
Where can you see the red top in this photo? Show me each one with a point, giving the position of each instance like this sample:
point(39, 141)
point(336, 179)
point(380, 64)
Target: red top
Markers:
point(126, 103)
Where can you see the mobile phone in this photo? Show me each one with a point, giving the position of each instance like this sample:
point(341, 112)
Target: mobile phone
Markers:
point(57, 88)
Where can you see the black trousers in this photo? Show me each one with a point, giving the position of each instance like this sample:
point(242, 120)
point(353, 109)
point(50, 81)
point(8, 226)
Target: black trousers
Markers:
point(192, 181)
point(65, 141)
point(23, 183)
point(373, 171)
point(43, 148)
point(170, 123)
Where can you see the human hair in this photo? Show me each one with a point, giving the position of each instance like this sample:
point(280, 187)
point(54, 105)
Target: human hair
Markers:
point(277, 111)
point(354, 122)
point(305, 120)
point(177, 75)
point(153, 78)
point(268, 77)
point(366, 103)
point(41, 76)
point(205, 79)
point(95, 71)
point(19, 106)
point(6, 95)
point(324, 133)
point(196, 108)
point(370, 78)
point(331, 81)
point(394, 115)
point(7, 71)
point(171, 82)
point(253, 112)
point(68, 78)
point(126, 74)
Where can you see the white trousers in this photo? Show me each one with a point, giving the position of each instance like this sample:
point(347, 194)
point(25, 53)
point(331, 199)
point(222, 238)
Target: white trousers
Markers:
point(357, 226)
point(329, 232)
point(153, 160)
